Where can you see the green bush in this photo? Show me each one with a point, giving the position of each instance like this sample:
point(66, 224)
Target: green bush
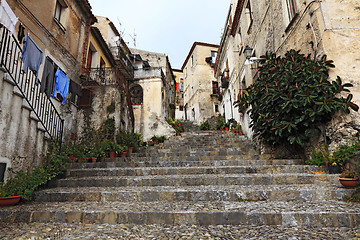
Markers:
point(25, 183)
point(220, 122)
point(204, 126)
point(176, 125)
point(292, 97)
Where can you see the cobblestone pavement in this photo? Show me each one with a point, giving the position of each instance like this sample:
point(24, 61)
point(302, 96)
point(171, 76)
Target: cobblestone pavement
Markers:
point(40, 231)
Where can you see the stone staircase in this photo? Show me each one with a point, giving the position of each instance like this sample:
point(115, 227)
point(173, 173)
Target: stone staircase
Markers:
point(189, 126)
point(198, 178)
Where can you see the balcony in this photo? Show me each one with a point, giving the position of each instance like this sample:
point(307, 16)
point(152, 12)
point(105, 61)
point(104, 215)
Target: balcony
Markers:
point(122, 61)
point(152, 72)
point(99, 76)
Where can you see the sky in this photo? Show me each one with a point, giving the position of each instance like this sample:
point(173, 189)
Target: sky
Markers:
point(166, 26)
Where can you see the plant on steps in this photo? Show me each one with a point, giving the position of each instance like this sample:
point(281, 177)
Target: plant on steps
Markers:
point(292, 97)
point(25, 183)
point(204, 126)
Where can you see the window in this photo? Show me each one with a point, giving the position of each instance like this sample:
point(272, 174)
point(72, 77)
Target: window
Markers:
point(59, 10)
point(85, 99)
point(292, 9)
point(215, 87)
point(216, 108)
point(136, 93)
point(181, 84)
point(213, 58)
point(248, 15)
point(181, 108)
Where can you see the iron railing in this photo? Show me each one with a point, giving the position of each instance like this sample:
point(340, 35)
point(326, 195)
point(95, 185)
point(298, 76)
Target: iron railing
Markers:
point(43, 108)
point(100, 76)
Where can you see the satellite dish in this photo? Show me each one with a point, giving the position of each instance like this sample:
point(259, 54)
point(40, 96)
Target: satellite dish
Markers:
point(116, 38)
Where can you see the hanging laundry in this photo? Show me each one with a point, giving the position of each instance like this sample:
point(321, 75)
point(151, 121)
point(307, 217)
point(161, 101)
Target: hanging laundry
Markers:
point(61, 84)
point(32, 56)
point(21, 33)
point(47, 80)
point(7, 16)
point(75, 89)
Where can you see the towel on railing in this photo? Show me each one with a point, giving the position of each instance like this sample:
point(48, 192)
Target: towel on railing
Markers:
point(61, 84)
point(47, 79)
point(32, 56)
point(7, 16)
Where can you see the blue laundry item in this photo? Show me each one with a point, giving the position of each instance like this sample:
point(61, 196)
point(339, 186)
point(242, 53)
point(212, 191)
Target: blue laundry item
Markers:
point(32, 56)
point(61, 84)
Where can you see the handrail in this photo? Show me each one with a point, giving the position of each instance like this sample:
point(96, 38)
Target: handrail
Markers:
point(43, 108)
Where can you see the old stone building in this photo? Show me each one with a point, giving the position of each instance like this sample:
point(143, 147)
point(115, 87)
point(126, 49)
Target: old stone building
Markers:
point(200, 86)
point(28, 112)
point(314, 27)
point(104, 88)
point(152, 93)
point(52, 51)
point(179, 101)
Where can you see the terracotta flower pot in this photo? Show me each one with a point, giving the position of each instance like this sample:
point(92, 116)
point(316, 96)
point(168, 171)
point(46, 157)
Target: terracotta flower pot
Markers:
point(112, 154)
point(72, 157)
point(349, 182)
point(226, 129)
point(130, 149)
point(123, 154)
point(177, 134)
point(93, 159)
point(9, 201)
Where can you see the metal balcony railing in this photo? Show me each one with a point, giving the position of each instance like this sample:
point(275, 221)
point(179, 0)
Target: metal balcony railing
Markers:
point(100, 76)
point(43, 108)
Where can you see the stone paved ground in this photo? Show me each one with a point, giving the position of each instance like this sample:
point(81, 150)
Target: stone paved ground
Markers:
point(191, 184)
point(40, 231)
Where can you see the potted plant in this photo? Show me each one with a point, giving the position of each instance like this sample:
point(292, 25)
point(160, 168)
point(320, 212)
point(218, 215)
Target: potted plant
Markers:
point(349, 179)
point(226, 126)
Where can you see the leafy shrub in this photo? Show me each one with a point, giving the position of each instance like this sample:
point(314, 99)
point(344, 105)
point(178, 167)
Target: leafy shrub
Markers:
point(176, 125)
point(204, 126)
point(350, 174)
point(220, 122)
point(292, 96)
point(25, 183)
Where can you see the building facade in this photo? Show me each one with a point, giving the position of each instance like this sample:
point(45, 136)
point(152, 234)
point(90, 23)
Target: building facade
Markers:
point(314, 27)
point(179, 100)
point(52, 51)
point(200, 86)
point(152, 93)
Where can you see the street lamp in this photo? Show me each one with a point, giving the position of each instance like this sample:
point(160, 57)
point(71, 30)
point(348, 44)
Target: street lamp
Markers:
point(247, 52)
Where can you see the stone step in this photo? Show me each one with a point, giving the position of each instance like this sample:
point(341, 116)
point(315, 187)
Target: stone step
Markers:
point(146, 171)
point(194, 194)
point(215, 152)
point(156, 162)
point(291, 213)
point(192, 157)
point(198, 180)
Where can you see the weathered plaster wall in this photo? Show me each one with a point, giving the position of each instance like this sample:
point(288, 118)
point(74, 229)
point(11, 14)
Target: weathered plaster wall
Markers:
point(198, 78)
point(99, 54)
point(322, 27)
point(21, 142)
point(97, 114)
point(148, 116)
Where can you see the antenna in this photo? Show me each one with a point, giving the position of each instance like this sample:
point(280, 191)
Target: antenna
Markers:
point(133, 38)
point(122, 32)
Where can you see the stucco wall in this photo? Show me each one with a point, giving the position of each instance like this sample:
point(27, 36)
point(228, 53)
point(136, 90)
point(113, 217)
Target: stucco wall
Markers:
point(21, 144)
point(322, 27)
point(198, 78)
point(148, 116)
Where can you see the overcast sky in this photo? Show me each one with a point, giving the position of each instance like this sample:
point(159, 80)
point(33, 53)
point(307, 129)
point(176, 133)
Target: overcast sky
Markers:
point(166, 26)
